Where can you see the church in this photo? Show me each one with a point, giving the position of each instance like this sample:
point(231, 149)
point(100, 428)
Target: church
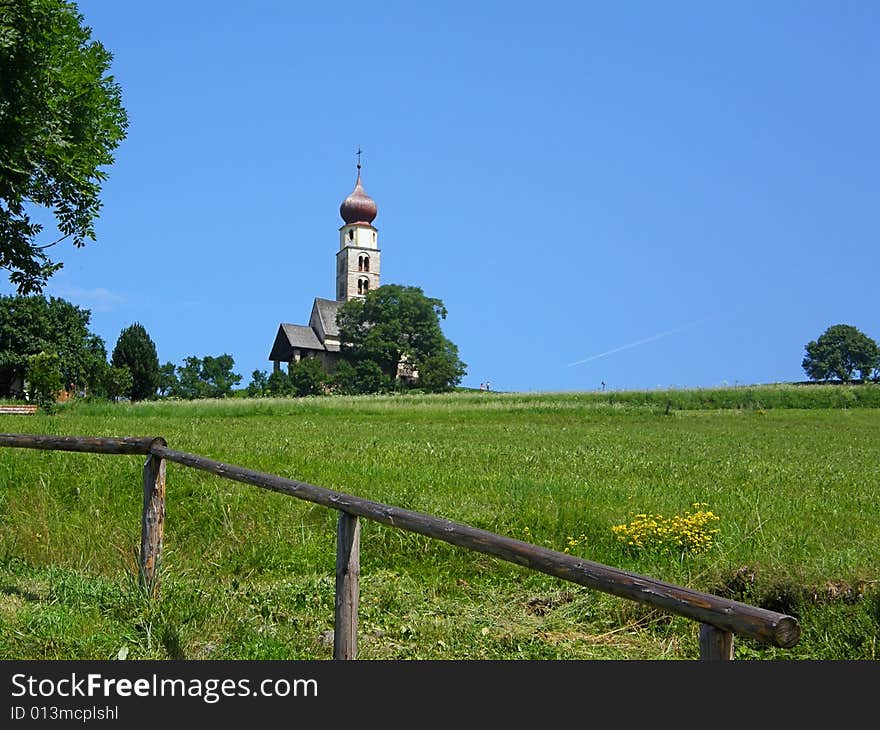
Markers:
point(357, 272)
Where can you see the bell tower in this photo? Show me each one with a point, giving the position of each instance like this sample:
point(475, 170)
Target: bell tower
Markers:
point(357, 260)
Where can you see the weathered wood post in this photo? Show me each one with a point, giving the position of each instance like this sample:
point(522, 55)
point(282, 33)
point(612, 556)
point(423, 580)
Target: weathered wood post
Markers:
point(715, 643)
point(348, 570)
point(152, 524)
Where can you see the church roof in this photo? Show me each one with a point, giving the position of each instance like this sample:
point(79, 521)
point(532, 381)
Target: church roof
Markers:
point(301, 336)
point(293, 336)
point(327, 309)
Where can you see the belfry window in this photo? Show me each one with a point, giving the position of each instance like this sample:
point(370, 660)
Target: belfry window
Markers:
point(363, 263)
point(363, 286)
point(351, 234)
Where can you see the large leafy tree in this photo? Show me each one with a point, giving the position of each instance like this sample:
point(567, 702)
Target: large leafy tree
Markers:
point(398, 328)
point(137, 352)
point(33, 324)
point(839, 353)
point(61, 118)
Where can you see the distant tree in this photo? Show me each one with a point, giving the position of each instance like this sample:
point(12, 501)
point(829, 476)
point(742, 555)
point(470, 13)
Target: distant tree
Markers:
point(840, 352)
point(61, 118)
point(44, 378)
point(34, 324)
point(278, 384)
point(396, 325)
point(216, 373)
point(136, 351)
point(96, 368)
point(118, 382)
point(363, 377)
point(167, 382)
point(442, 371)
point(307, 377)
point(205, 377)
point(189, 379)
point(258, 387)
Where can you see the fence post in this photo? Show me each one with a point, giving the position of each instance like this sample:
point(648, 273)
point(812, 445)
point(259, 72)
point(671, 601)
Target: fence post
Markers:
point(348, 570)
point(715, 643)
point(152, 524)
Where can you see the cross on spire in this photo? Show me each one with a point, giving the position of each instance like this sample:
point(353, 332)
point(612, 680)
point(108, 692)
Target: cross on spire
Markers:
point(359, 157)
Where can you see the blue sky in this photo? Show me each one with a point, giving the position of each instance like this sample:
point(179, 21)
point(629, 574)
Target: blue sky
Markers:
point(671, 194)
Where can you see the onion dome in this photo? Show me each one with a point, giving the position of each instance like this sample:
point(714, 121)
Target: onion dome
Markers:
point(358, 207)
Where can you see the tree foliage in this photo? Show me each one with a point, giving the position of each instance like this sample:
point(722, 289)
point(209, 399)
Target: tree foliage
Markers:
point(167, 379)
point(398, 327)
point(205, 377)
point(44, 378)
point(61, 118)
point(217, 375)
point(259, 385)
point(364, 376)
point(136, 351)
point(34, 324)
point(278, 384)
point(307, 377)
point(442, 371)
point(839, 353)
point(118, 382)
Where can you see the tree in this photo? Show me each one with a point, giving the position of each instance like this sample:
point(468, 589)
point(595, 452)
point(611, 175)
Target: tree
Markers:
point(206, 377)
point(118, 382)
point(96, 367)
point(442, 371)
point(44, 378)
point(136, 351)
point(189, 380)
point(34, 324)
point(840, 352)
point(216, 373)
point(258, 387)
point(395, 326)
point(363, 377)
point(61, 118)
point(307, 377)
point(278, 384)
point(167, 383)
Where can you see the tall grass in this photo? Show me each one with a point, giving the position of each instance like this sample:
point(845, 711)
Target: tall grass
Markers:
point(792, 473)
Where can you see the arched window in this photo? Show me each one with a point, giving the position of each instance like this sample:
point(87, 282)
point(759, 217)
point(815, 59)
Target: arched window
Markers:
point(364, 263)
point(351, 234)
point(363, 286)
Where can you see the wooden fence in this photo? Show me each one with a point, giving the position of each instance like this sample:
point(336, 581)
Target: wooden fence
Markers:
point(720, 619)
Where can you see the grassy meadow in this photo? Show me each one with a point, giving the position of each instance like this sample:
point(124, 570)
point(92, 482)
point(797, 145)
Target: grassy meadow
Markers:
point(792, 474)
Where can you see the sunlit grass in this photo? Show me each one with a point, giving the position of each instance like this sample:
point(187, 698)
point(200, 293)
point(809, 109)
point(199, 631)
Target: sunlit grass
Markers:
point(249, 573)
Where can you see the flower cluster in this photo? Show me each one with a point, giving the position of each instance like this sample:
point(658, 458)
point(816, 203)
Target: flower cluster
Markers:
point(573, 542)
point(570, 542)
point(688, 533)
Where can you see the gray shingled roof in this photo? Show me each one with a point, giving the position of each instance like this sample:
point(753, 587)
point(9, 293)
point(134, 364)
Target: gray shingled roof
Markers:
point(327, 309)
point(302, 337)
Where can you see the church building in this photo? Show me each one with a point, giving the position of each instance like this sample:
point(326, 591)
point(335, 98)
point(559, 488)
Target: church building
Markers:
point(357, 272)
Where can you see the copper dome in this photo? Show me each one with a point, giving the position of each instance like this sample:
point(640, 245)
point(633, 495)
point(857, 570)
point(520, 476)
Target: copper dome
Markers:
point(358, 207)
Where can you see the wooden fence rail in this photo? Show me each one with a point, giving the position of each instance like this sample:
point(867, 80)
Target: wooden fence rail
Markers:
point(720, 618)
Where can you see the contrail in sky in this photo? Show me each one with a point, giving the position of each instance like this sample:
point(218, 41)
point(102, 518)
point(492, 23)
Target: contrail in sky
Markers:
point(652, 338)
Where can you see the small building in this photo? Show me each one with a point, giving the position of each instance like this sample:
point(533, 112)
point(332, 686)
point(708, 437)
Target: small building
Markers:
point(357, 272)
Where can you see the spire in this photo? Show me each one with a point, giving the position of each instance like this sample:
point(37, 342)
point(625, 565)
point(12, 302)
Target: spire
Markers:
point(358, 207)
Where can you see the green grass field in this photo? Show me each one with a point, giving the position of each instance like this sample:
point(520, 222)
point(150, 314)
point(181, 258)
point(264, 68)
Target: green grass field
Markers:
point(791, 472)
